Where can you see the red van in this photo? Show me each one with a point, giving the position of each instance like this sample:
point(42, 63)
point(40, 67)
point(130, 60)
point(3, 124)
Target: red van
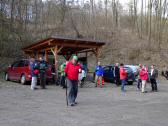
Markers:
point(20, 71)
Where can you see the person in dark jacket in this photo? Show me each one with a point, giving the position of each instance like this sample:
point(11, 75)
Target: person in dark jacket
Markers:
point(117, 74)
point(153, 77)
point(42, 67)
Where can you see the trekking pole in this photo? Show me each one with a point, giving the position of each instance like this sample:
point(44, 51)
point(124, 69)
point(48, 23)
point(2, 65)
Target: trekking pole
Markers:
point(66, 91)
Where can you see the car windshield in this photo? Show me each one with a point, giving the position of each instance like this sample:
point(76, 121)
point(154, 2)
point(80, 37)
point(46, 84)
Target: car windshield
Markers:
point(132, 67)
point(128, 69)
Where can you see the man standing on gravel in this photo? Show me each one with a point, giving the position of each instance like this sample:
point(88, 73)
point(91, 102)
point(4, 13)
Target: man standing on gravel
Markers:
point(43, 67)
point(144, 77)
point(72, 71)
point(99, 75)
point(117, 74)
point(139, 81)
point(123, 77)
point(153, 76)
point(34, 73)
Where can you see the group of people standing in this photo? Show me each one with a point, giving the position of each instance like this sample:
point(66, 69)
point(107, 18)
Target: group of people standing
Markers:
point(38, 70)
point(72, 71)
point(145, 75)
point(81, 75)
point(121, 75)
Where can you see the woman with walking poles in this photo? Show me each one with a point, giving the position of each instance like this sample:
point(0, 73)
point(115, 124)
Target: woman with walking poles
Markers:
point(72, 71)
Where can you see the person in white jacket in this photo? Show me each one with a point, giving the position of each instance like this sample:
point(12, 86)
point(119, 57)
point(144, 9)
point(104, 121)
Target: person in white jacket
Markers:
point(82, 77)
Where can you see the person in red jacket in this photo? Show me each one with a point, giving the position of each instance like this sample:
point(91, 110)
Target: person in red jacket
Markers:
point(72, 71)
point(144, 77)
point(123, 77)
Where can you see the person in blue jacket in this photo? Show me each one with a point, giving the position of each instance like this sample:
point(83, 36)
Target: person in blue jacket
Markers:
point(34, 73)
point(99, 74)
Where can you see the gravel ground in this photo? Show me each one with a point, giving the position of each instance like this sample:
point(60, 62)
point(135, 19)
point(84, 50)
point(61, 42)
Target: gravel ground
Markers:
point(108, 106)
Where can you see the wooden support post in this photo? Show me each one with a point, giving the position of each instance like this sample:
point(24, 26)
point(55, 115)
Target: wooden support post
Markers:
point(97, 57)
point(37, 55)
point(86, 54)
point(46, 55)
point(56, 61)
point(97, 54)
point(28, 55)
point(55, 52)
point(87, 60)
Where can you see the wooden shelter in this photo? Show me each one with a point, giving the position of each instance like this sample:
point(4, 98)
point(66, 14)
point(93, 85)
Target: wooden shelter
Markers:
point(63, 46)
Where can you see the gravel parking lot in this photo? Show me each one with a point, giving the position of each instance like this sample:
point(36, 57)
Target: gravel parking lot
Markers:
point(108, 106)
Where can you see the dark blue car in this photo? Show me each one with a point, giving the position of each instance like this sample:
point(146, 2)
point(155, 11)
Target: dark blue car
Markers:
point(109, 74)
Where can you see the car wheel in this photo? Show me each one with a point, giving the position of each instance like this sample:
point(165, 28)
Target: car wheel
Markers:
point(23, 79)
point(6, 77)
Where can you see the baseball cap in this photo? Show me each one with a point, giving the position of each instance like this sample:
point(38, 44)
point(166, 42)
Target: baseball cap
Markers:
point(75, 57)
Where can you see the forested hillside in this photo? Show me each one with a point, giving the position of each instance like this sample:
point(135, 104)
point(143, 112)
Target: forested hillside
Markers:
point(136, 31)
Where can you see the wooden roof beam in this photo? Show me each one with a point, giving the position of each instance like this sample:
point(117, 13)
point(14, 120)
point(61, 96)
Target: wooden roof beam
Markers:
point(38, 45)
point(70, 45)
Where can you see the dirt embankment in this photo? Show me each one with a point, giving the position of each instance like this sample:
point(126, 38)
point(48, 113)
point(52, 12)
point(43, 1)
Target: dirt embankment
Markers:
point(5, 62)
point(129, 49)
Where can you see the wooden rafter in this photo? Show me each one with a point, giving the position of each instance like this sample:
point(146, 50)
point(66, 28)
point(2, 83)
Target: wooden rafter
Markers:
point(40, 44)
point(80, 46)
point(56, 49)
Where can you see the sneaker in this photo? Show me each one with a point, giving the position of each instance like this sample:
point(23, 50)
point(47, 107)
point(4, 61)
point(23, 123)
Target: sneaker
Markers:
point(43, 88)
point(72, 105)
point(36, 88)
point(76, 103)
point(32, 88)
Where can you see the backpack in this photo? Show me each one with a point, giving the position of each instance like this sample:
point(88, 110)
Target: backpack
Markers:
point(36, 72)
point(42, 65)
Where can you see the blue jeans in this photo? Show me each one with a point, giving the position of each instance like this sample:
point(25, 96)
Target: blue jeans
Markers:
point(62, 83)
point(139, 84)
point(72, 90)
point(123, 83)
